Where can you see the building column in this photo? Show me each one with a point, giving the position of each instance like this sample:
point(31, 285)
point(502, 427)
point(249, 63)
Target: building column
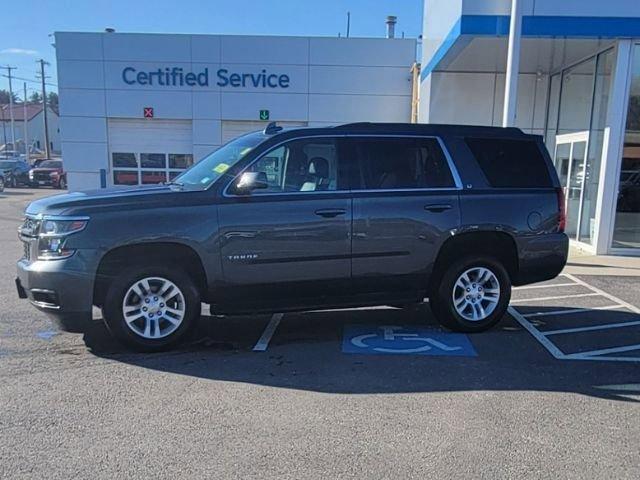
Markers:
point(612, 148)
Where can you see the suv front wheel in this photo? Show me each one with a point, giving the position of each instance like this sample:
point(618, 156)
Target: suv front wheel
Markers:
point(473, 294)
point(151, 308)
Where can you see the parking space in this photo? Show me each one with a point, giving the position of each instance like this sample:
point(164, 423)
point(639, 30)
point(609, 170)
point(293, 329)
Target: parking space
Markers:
point(575, 320)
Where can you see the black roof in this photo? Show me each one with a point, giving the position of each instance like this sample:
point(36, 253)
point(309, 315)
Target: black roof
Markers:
point(409, 129)
point(427, 129)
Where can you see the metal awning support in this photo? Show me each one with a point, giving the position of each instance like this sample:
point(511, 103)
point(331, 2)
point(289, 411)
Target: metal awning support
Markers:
point(513, 66)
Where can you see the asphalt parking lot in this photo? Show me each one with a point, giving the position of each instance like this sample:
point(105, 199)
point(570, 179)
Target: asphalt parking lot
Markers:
point(371, 393)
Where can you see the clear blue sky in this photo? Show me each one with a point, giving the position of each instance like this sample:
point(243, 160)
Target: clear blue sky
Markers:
point(22, 42)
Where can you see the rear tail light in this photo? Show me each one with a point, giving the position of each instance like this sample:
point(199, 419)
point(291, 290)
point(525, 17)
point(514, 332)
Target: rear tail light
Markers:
point(562, 209)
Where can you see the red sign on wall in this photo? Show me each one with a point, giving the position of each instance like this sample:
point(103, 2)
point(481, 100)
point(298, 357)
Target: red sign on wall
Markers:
point(148, 112)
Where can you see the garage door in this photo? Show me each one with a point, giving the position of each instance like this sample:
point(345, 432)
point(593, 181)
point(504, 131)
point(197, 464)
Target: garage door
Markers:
point(232, 128)
point(149, 151)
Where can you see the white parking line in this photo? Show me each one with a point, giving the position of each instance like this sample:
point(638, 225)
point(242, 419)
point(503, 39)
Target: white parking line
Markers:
point(590, 355)
point(559, 297)
point(546, 343)
point(572, 310)
point(529, 287)
point(590, 329)
point(270, 329)
point(633, 308)
point(605, 351)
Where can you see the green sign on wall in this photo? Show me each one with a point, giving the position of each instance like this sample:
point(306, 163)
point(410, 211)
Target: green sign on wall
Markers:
point(264, 114)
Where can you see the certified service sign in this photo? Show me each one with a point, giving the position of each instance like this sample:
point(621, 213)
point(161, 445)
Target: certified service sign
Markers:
point(177, 77)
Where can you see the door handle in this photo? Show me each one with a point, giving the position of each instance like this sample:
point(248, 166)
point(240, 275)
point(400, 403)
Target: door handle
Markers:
point(330, 212)
point(437, 207)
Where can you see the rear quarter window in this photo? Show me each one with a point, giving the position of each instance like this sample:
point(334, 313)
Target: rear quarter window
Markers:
point(510, 163)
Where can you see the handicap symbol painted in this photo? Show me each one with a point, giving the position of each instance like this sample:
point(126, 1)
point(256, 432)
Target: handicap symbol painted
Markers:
point(397, 340)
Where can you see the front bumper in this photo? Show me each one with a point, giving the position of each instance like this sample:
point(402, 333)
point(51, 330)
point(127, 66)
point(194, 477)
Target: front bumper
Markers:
point(63, 289)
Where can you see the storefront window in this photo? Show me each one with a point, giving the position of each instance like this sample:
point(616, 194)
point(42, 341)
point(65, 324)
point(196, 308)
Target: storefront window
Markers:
point(626, 233)
point(596, 135)
point(148, 168)
point(576, 97)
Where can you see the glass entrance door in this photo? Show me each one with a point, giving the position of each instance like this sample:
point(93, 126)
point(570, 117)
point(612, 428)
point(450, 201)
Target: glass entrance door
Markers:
point(570, 161)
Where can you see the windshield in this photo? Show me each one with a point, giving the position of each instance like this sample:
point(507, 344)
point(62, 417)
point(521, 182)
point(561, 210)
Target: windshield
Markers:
point(214, 165)
point(6, 164)
point(50, 164)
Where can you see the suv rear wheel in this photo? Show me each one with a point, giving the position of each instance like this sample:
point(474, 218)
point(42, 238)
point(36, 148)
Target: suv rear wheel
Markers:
point(151, 308)
point(473, 294)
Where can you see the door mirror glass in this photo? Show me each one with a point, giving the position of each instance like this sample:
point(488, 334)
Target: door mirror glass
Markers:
point(250, 181)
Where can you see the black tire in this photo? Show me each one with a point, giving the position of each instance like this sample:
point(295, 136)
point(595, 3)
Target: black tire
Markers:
point(62, 184)
point(1, 184)
point(114, 317)
point(14, 182)
point(442, 303)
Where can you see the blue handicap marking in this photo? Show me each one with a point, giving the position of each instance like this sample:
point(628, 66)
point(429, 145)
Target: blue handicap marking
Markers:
point(398, 340)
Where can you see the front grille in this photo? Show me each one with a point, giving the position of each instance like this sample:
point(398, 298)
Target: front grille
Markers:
point(27, 250)
point(42, 176)
point(29, 227)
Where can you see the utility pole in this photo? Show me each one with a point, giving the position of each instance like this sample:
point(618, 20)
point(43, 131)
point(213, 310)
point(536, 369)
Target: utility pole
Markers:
point(24, 121)
point(13, 133)
point(348, 23)
point(47, 148)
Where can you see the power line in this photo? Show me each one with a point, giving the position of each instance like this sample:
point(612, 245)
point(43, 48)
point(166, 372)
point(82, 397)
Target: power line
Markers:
point(31, 80)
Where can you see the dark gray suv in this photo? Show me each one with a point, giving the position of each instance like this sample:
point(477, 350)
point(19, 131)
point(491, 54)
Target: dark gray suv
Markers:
point(299, 219)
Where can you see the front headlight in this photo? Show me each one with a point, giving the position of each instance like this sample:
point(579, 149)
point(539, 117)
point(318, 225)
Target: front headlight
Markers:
point(53, 234)
point(31, 174)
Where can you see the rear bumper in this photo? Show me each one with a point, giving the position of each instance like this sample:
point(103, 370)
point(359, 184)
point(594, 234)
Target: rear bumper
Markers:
point(541, 257)
point(63, 289)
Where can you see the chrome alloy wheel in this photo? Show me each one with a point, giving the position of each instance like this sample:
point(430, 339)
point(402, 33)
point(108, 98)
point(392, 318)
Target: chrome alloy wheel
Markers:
point(153, 307)
point(476, 294)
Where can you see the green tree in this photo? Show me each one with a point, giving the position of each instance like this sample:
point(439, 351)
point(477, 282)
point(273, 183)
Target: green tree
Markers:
point(52, 100)
point(4, 97)
point(35, 97)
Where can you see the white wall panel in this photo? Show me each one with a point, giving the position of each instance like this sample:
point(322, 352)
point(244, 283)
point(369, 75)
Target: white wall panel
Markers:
point(465, 98)
point(360, 80)
point(80, 74)
point(84, 157)
point(150, 47)
point(83, 129)
point(359, 108)
point(265, 50)
point(83, 180)
point(247, 106)
point(205, 48)
point(82, 102)
point(206, 105)
point(206, 132)
point(123, 103)
point(362, 51)
point(200, 151)
point(78, 46)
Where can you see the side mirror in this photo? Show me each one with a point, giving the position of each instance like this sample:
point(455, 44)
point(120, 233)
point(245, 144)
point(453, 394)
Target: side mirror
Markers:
point(250, 181)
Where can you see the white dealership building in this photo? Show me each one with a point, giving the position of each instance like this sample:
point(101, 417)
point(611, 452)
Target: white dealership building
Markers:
point(138, 108)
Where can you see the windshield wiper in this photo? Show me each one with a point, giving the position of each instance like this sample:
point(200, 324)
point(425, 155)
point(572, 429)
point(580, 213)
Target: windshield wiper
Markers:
point(180, 185)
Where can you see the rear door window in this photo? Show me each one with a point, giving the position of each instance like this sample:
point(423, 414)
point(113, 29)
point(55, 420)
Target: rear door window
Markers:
point(510, 163)
point(401, 163)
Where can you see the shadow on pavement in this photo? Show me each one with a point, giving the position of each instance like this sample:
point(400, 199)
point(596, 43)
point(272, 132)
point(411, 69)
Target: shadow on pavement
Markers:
point(305, 353)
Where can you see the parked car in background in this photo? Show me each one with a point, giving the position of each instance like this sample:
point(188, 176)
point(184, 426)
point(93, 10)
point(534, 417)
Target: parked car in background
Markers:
point(16, 172)
point(48, 173)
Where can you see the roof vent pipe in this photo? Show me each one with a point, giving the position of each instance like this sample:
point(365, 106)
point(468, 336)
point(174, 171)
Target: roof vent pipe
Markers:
point(109, 30)
point(391, 26)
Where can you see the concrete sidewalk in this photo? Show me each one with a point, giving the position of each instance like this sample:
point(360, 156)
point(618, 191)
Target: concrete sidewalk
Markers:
point(581, 263)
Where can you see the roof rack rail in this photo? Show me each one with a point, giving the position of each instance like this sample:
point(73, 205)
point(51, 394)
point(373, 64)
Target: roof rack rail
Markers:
point(271, 128)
